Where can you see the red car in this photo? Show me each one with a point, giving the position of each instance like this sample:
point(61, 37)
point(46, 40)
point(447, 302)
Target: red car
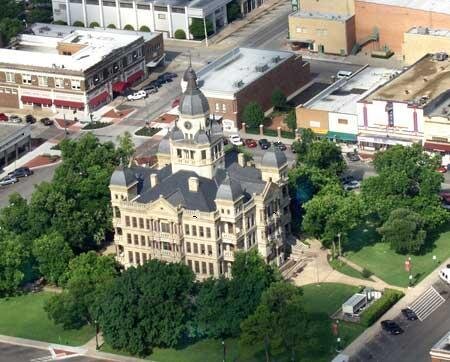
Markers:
point(250, 143)
point(445, 195)
point(176, 103)
point(3, 117)
point(442, 169)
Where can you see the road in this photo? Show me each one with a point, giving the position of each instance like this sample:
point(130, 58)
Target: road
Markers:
point(414, 345)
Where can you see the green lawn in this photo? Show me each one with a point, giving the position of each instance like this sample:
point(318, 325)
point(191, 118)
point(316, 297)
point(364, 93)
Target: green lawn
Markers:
point(346, 269)
point(389, 266)
point(24, 317)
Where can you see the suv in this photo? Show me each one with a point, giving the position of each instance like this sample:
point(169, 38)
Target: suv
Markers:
point(21, 172)
point(409, 314)
point(151, 89)
point(46, 121)
point(235, 140)
point(30, 119)
point(391, 327)
point(280, 145)
point(343, 74)
point(264, 144)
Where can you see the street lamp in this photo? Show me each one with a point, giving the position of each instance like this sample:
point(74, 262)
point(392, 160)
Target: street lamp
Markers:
point(224, 351)
point(96, 335)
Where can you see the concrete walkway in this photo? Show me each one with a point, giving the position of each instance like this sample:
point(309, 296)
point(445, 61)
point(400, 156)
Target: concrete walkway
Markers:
point(319, 271)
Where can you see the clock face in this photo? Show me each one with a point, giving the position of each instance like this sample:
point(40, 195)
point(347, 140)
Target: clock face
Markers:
point(187, 125)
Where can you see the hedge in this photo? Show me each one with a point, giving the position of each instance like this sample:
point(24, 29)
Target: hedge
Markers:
point(111, 26)
point(252, 130)
point(145, 29)
point(180, 34)
point(94, 24)
point(128, 27)
point(287, 134)
point(380, 306)
point(96, 125)
point(78, 24)
point(270, 132)
point(147, 131)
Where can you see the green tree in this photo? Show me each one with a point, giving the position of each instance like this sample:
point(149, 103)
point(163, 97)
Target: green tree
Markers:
point(197, 28)
point(145, 29)
point(180, 34)
point(78, 23)
point(291, 121)
point(278, 98)
point(10, 28)
point(39, 15)
point(324, 155)
point(147, 307)
point(94, 24)
point(59, 22)
point(403, 230)
point(126, 148)
point(253, 115)
point(14, 217)
point(301, 147)
point(13, 259)
point(128, 27)
point(233, 11)
point(84, 281)
point(111, 26)
point(53, 255)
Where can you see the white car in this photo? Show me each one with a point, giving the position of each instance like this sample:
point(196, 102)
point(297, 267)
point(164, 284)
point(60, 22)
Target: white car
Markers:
point(138, 95)
point(343, 74)
point(235, 140)
point(352, 185)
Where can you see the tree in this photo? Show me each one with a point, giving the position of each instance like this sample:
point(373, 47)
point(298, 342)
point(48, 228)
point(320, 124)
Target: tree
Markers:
point(126, 148)
point(301, 147)
point(59, 22)
point(13, 259)
point(10, 28)
point(84, 281)
point(197, 28)
point(39, 15)
point(403, 230)
point(145, 29)
point(291, 121)
point(53, 255)
point(14, 217)
point(279, 100)
point(253, 115)
point(180, 34)
point(324, 155)
point(147, 307)
point(111, 26)
point(78, 23)
point(128, 27)
point(94, 24)
point(233, 11)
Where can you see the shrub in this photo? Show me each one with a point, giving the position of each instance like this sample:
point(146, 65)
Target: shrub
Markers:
point(197, 28)
point(380, 306)
point(147, 131)
point(145, 29)
point(366, 273)
point(253, 115)
point(94, 24)
point(59, 22)
point(96, 125)
point(128, 27)
point(78, 23)
point(111, 26)
point(278, 99)
point(180, 34)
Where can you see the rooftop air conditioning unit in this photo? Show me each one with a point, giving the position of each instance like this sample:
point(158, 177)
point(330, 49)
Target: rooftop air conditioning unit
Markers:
point(261, 68)
point(276, 59)
point(238, 84)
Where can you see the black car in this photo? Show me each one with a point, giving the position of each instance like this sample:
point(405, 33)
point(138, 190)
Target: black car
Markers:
point(346, 179)
point(391, 327)
point(280, 145)
point(46, 121)
point(157, 83)
point(353, 156)
point(409, 314)
point(164, 78)
point(264, 144)
point(150, 89)
point(168, 75)
point(21, 172)
point(30, 119)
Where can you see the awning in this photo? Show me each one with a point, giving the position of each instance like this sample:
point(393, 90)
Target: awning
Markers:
point(134, 77)
point(155, 62)
point(307, 41)
point(119, 87)
point(439, 147)
point(342, 136)
point(99, 99)
point(71, 104)
point(36, 100)
point(319, 131)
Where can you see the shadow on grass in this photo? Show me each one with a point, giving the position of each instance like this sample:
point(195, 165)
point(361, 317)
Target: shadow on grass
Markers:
point(362, 236)
point(432, 237)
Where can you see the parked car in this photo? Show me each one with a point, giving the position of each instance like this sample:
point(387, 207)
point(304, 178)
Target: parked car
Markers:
point(391, 327)
point(164, 78)
point(151, 89)
point(30, 119)
point(46, 121)
point(157, 83)
point(343, 74)
point(8, 180)
point(168, 75)
point(409, 314)
point(442, 169)
point(280, 145)
point(176, 102)
point(15, 119)
point(352, 185)
point(137, 95)
point(3, 117)
point(264, 144)
point(347, 178)
point(250, 143)
point(21, 172)
point(235, 140)
point(353, 156)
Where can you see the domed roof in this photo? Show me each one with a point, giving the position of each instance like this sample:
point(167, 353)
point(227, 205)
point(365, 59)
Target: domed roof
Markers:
point(273, 158)
point(201, 137)
point(176, 134)
point(229, 190)
point(164, 146)
point(193, 102)
point(216, 128)
point(188, 73)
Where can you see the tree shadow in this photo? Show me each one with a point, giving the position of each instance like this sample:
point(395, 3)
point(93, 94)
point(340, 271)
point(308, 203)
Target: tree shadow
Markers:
point(363, 235)
point(432, 237)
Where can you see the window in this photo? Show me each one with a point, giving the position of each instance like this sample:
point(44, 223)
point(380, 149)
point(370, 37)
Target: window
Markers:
point(208, 233)
point(342, 121)
point(301, 30)
point(201, 231)
point(160, 8)
point(202, 249)
point(59, 83)
point(166, 246)
point(194, 230)
point(127, 221)
point(190, 263)
point(211, 269)
point(142, 240)
point(143, 7)
point(136, 239)
point(165, 227)
point(144, 258)
point(224, 108)
point(134, 222)
point(179, 153)
point(75, 84)
point(217, 107)
point(192, 155)
point(162, 16)
point(209, 250)
point(186, 229)
point(141, 223)
point(439, 139)
point(203, 267)
point(197, 267)
point(10, 78)
point(138, 258)
point(130, 257)
point(147, 224)
point(203, 155)
point(188, 247)
point(26, 78)
point(129, 238)
point(126, 5)
point(178, 10)
point(195, 248)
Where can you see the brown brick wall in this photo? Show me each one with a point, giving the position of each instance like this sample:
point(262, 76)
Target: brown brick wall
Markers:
point(289, 76)
point(8, 100)
point(305, 116)
point(150, 48)
point(69, 48)
point(392, 22)
point(350, 34)
point(230, 108)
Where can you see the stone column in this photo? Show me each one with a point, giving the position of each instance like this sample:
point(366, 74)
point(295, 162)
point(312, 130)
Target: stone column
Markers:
point(83, 4)
point(135, 15)
point(214, 21)
point(119, 20)
point(186, 23)
point(68, 19)
point(152, 23)
point(100, 9)
point(225, 16)
point(169, 15)
point(17, 151)
point(279, 131)
point(243, 129)
point(261, 130)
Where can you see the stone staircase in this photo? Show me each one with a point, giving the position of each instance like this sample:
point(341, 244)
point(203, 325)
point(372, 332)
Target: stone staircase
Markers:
point(427, 303)
point(300, 256)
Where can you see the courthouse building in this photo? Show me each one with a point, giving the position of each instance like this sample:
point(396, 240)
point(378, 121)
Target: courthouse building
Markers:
point(199, 205)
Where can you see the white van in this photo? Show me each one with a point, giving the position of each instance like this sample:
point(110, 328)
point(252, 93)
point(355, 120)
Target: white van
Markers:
point(343, 74)
point(444, 274)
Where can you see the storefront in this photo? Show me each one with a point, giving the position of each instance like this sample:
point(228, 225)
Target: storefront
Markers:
point(375, 142)
point(342, 137)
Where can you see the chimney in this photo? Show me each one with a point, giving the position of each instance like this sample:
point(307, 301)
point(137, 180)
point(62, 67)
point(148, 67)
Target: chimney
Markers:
point(153, 179)
point(241, 160)
point(193, 184)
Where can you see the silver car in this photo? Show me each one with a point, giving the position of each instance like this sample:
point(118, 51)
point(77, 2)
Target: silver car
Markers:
point(8, 180)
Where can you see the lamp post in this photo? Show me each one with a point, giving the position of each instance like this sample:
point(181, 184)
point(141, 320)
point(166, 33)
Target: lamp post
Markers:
point(96, 335)
point(224, 351)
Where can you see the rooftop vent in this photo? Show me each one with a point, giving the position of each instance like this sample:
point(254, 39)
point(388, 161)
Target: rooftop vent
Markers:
point(238, 84)
point(261, 68)
point(445, 110)
point(441, 56)
point(276, 59)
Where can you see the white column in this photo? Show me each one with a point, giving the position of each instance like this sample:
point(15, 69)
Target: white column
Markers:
point(214, 21)
point(100, 9)
point(83, 4)
point(225, 15)
point(119, 20)
point(186, 23)
point(68, 19)
point(169, 15)
point(136, 15)
point(152, 24)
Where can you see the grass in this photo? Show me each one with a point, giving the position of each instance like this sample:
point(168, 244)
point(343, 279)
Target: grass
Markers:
point(24, 317)
point(147, 131)
point(389, 266)
point(96, 125)
point(346, 269)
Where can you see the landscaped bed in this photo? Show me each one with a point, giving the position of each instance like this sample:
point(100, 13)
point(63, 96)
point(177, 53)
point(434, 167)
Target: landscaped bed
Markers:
point(96, 125)
point(147, 131)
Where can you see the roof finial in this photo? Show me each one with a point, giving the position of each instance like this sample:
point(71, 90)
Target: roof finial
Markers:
point(190, 62)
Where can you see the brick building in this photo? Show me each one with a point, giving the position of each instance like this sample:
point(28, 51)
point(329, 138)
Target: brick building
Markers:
point(15, 140)
point(66, 69)
point(392, 18)
point(246, 75)
point(440, 352)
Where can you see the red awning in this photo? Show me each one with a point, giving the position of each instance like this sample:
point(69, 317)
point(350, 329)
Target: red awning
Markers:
point(439, 147)
point(133, 78)
point(36, 100)
point(71, 104)
point(119, 87)
point(98, 99)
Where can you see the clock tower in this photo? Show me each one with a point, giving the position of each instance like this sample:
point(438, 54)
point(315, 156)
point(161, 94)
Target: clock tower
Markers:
point(196, 142)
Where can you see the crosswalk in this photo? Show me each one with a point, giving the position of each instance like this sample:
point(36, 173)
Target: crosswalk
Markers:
point(427, 303)
point(42, 359)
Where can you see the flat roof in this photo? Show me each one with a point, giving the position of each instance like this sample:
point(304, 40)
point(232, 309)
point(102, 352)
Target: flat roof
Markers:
point(436, 6)
point(355, 299)
point(8, 129)
point(443, 345)
point(343, 95)
point(420, 30)
point(321, 16)
point(238, 68)
point(39, 48)
point(419, 84)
